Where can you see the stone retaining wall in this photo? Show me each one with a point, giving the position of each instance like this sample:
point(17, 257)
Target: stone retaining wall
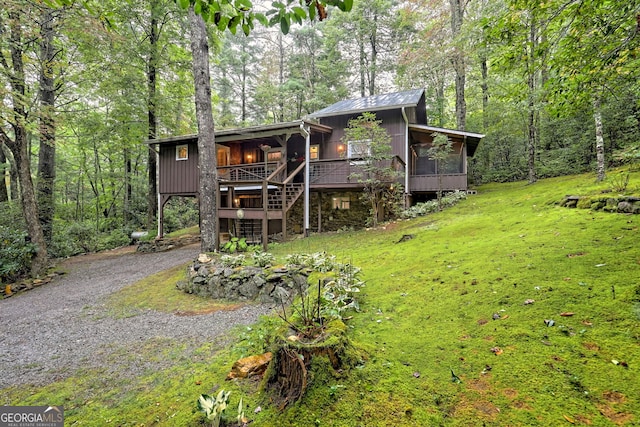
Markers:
point(166, 244)
point(607, 203)
point(207, 277)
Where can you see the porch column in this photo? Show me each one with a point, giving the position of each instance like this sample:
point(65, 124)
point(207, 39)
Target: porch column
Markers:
point(265, 217)
point(307, 154)
point(284, 212)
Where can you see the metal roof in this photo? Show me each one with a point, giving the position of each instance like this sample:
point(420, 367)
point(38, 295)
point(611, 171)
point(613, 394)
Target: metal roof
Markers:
point(388, 101)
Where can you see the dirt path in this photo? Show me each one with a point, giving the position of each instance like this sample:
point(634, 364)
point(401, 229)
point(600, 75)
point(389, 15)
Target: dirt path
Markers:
point(54, 330)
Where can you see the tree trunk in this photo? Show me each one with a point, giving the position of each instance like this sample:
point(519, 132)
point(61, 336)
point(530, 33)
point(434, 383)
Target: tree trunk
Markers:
point(374, 55)
point(207, 172)
point(485, 91)
point(4, 194)
point(362, 70)
point(47, 156)
point(531, 84)
point(458, 64)
point(597, 117)
point(19, 148)
point(152, 157)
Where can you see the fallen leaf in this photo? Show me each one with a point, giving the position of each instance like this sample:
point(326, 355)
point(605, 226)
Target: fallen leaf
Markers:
point(496, 350)
point(569, 419)
point(567, 314)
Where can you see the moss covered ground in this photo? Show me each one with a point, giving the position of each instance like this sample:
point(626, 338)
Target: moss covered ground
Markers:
point(504, 310)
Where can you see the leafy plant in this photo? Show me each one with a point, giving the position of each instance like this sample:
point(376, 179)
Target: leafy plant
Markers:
point(619, 181)
point(431, 206)
point(235, 244)
point(213, 408)
point(318, 261)
point(15, 254)
point(242, 419)
point(263, 259)
point(232, 261)
point(441, 148)
point(311, 311)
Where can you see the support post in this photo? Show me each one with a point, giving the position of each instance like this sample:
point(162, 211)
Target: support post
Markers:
point(265, 217)
point(307, 153)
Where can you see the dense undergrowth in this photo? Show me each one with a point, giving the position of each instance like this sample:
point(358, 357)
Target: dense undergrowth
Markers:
point(505, 309)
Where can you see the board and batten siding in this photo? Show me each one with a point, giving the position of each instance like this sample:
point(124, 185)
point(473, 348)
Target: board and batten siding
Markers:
point(178, 176)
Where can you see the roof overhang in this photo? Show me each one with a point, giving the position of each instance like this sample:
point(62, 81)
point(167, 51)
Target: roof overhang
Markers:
point(251, 132)
point(470, 138)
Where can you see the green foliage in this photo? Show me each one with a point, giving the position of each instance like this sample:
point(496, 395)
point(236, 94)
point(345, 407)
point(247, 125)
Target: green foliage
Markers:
point(232, 261)
point(263, 259)
point(15, 254)
point(213, 408)
point(335, 293)
point(377, 171)
point(619, 181)
point(431, 206)
point(427, 309)
point(235, 244)
point(179, 213)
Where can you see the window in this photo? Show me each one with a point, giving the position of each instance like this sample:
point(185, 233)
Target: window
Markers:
point(359, 149)
point(341, 203)
point(314, 152)
point(182, 152)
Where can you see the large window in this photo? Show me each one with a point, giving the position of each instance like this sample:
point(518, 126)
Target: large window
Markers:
point(359, 149)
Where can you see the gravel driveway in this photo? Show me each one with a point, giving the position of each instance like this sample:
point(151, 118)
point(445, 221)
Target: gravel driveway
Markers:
point(52, 331)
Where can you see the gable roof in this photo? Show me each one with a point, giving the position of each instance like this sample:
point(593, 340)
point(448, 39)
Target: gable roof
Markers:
point(388, 101)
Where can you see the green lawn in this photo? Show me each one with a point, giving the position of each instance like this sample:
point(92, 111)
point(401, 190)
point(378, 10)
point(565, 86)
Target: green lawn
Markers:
point(468, 294)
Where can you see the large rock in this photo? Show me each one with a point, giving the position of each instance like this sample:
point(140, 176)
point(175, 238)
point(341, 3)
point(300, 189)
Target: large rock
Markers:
point(250, 366)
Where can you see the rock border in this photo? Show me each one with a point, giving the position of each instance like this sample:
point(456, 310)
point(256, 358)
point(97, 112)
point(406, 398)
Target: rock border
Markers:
point(606, 203)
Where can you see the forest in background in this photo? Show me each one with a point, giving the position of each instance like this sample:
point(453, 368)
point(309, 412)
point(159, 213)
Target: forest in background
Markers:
point(553, 85)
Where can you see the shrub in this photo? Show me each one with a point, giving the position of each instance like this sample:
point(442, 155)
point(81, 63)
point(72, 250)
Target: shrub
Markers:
point(114, 239)
point(232, 261)
point(262, 259)
point(15, 254)
point(431, 206)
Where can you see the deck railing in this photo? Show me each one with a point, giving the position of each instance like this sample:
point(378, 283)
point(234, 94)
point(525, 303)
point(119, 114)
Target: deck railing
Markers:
point(247, 172)
point(341, 171)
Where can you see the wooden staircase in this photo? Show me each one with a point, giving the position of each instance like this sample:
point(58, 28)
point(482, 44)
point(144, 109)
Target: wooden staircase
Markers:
point(292, 192)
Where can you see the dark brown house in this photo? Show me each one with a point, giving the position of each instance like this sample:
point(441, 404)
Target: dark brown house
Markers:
point(295, 177)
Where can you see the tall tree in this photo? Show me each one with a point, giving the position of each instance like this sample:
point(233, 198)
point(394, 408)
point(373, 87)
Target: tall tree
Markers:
point(207, 170)
point(457, 58)
point(599, 40)
point(47, 155)
point(13, 69)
